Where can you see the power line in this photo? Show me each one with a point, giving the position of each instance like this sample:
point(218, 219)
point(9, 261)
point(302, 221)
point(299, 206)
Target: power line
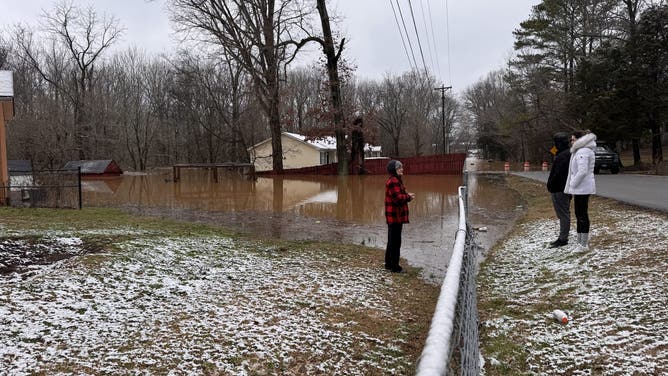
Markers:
point(447, 35)
point(402, 35)
point(426, 31)
point(406, 31)
point(417, 35)
point(433, 38)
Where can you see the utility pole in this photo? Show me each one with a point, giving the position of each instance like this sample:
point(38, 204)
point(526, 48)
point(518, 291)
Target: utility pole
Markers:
point(443, 88)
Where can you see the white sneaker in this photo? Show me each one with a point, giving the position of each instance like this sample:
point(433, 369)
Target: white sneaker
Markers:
point(581, 248)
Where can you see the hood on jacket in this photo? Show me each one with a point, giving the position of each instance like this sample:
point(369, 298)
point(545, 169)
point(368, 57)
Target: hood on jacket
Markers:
point(393, 166)
point(560, 141)
point(586, 141)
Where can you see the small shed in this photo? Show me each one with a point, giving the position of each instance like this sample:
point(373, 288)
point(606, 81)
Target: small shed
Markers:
point(20, 172)
point(18, 167)
point(106, 167)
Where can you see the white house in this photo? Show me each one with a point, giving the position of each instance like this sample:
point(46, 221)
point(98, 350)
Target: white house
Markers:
point(299, 152)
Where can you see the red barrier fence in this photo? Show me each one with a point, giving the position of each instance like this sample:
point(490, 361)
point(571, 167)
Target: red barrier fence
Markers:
point(443, 164)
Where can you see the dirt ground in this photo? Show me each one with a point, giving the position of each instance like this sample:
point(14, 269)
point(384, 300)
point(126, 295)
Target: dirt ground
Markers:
point(19, 254)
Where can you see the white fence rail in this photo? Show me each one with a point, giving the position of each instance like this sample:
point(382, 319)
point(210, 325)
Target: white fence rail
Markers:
point(435, 357)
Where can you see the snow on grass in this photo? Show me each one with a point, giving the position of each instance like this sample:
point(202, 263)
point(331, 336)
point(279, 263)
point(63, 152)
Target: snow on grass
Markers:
point(189, 306)
point(121, 231)
point(615, 293)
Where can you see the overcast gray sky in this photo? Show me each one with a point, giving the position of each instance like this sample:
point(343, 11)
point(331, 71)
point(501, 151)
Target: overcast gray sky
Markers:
point(480, 32)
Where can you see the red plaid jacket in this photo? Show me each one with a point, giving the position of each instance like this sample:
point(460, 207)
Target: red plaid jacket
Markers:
point(396, 201)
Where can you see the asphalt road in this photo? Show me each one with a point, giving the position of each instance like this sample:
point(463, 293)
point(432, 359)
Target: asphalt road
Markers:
point(648, 191)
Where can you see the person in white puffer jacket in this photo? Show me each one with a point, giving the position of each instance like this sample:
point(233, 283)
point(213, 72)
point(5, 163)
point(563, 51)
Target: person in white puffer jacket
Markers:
point(580, 182)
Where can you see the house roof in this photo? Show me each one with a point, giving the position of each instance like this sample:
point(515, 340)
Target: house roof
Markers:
point(321, 143)
point(369, 147)
point(89, 167)
point(17, 166)
point(6, 84)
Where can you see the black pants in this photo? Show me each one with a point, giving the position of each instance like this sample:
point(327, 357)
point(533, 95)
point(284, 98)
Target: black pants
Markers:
point(393, 250)
point(562, 206)
point(581, 213)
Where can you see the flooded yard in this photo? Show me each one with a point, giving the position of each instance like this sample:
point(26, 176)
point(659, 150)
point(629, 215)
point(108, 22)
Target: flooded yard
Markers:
point(165, 297)
point(329, 208)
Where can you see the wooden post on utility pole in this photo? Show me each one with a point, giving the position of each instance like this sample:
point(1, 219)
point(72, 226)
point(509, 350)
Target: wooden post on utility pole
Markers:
point(6, 114)
point(443, 88)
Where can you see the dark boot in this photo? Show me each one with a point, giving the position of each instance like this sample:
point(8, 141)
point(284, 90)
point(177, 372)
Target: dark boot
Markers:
point(558, 243)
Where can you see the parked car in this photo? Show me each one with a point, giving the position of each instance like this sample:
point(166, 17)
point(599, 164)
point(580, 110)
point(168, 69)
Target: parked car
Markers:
point(606, 158)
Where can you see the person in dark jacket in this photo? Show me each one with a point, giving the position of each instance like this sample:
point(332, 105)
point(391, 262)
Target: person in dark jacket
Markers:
point(556, 183)
point(396, 214)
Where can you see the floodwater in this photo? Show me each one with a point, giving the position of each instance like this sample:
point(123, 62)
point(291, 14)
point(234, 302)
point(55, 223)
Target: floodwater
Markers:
point(330, 208)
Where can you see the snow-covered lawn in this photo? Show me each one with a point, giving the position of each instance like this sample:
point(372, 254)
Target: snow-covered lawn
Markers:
point(157, 303)
point(616, 293)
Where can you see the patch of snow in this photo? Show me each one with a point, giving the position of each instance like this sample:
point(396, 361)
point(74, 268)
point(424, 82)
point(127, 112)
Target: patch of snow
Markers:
point(616, 293)
point(71, 241)
point(182, 305)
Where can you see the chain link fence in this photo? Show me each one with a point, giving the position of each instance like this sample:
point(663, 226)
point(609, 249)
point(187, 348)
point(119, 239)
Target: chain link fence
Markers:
point(44, 189)
point(452, 346)
point(465, 350)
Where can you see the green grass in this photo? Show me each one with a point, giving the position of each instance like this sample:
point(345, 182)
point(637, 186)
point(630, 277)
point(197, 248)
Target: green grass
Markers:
point(99, 219)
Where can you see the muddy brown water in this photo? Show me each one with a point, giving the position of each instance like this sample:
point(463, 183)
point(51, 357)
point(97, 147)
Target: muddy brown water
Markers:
point(330, 208)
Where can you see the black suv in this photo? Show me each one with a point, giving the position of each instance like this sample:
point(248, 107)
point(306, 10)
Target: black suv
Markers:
point(606, 158)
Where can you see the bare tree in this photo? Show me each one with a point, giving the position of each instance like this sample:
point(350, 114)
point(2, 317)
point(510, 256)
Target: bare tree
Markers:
point(133, 77)
point(258, 34)
point(452, 117)
point(393, 110)
point(45, 113)
point(333, 56)
point(301, 92)
point(215, 94)
point(5, 49)
point(485, 101)
point(423, 105)
point(83, 36)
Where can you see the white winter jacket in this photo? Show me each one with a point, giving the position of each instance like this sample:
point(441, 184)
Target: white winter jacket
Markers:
point(580, 179)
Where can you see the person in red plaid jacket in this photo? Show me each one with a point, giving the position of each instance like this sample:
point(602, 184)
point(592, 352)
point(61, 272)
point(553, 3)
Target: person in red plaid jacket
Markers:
point(396, 214)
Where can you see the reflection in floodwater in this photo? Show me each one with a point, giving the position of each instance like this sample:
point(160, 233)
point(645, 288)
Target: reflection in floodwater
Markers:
point(331, 208)
point(357, 199)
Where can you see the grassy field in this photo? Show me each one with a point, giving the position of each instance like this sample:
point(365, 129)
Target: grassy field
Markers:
point(615, 293)
point(127, 294)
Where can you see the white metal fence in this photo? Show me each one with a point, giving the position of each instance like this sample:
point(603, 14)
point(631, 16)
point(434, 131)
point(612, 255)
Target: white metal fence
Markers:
point(452, 345)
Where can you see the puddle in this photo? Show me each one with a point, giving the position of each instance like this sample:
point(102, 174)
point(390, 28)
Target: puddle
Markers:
point(329, 208)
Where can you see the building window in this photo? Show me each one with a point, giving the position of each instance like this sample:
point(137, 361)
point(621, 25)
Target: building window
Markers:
point(324, 157)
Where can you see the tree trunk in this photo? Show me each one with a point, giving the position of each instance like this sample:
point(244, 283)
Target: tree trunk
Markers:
point(357, 148)
point(334, 89)
point(276, 142)
point(636, 152)
point(271, 75)
point(657, 150)
point(80, 129)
